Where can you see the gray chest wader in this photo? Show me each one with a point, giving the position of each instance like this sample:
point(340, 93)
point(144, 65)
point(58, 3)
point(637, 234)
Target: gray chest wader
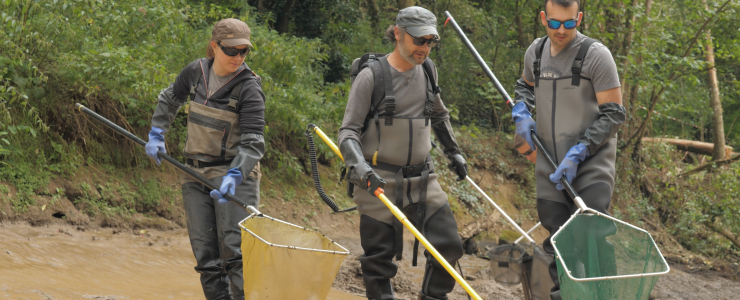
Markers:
point(566, 107)
point(398, 149)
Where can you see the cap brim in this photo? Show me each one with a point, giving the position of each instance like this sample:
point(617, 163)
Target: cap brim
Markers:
point(419, 31)
point(236, 42)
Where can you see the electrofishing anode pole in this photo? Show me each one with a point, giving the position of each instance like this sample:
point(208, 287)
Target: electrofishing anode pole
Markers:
point(536, 139)
point(164, 156)
point(401, 217)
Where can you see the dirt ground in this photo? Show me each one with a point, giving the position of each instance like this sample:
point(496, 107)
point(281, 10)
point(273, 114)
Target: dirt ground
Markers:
point(61, 261)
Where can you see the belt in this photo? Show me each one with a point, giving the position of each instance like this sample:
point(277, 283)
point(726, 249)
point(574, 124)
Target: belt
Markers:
point(203, 164)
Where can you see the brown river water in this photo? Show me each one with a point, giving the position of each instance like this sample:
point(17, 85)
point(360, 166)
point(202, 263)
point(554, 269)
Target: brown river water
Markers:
point(61, 262)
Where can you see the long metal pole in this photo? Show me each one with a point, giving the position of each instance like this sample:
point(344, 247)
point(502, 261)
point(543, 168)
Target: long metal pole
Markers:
point(162, 155)
point(536, 139)
point(405, 221)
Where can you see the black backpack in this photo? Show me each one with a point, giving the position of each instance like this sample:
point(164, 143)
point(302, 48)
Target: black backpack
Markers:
point(383, 88)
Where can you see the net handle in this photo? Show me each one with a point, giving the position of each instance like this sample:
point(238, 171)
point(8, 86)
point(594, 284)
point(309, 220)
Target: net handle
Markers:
point(405, 221)
point(572, 192)
point(162, 155)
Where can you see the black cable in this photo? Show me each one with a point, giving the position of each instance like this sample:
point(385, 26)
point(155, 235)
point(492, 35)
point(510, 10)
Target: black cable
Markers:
point(315, 174)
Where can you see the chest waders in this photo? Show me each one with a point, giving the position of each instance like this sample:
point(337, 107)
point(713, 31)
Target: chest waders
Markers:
point(401, 146)
point(566, 107)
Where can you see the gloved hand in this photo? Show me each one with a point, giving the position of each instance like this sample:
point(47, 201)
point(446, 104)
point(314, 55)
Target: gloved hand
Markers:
point(374, 182)
point(524, 123)
point(228, 186)
point(569, 165)
point(155, 144)
point(459, 166)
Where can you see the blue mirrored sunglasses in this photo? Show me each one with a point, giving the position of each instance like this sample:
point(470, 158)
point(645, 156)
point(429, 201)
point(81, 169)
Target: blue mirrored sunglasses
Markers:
point(555, 24)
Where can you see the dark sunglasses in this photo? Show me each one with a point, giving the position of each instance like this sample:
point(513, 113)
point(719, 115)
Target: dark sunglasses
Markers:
point(420, 41)
point(233, 51)
point(555, 24)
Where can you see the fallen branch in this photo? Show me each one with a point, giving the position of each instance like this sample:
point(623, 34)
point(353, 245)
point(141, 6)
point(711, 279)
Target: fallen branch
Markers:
point(711, 165)
point(724, 232)
point(478, 226)
point(690, 146)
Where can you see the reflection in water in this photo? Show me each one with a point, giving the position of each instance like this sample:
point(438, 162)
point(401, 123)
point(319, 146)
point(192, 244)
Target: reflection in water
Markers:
point(60, 262)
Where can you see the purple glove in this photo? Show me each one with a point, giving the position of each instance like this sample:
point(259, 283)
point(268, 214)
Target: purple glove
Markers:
point(524, 123)
point(569, 165)
point(228, 186)
point(155, 144)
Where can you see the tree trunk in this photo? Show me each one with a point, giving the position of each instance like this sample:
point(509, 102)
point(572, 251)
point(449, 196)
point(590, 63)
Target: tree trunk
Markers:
point(372, 10)
point(405, 3)
point(718, 133)
point(282, 22)
point(519, 27)
point(612, 25)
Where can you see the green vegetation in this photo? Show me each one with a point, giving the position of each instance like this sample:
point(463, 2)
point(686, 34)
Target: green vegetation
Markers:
point(115, 57)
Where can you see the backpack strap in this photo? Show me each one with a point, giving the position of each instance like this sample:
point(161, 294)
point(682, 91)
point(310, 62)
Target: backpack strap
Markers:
point(578, 62)
point(538, 59)
point(387, 83)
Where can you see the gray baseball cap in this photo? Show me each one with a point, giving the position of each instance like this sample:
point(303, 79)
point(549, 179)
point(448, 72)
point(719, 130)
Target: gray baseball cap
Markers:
point(418, 21)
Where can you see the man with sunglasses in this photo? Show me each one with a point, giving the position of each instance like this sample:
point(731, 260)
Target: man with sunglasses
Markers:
point(572, 80)
point(224, 144)
point(388, 146)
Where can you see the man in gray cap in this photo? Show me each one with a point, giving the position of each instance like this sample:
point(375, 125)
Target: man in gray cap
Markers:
point(385, 139)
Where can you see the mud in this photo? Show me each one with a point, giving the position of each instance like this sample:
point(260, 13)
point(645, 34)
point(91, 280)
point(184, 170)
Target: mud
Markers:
point(61, 261)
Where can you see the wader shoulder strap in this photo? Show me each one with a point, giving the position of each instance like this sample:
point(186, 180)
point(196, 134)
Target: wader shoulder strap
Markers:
point(432, 89)
point(538, 59)
point(578, 62)
point(195, 85)
point(234, 97)
point(390, 99)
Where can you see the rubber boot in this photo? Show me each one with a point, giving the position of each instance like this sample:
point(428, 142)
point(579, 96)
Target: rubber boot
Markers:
point(425, 297)
point(555, 295)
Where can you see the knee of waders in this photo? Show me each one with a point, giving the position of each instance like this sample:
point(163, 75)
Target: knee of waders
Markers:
point(597, 196)
point(376, 237)
point(440, 229)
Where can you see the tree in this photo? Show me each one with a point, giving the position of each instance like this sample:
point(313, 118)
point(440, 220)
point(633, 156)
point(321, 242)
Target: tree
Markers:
point(714, 100)
point(405, 3)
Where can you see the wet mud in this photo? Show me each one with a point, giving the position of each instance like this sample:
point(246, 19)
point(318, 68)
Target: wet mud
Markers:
point(59, 262)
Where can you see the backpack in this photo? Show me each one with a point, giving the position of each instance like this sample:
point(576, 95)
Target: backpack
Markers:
point(383, 88)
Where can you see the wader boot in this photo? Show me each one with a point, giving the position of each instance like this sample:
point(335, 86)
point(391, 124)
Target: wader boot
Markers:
point(215, 236)
point(397, 148)
point(567, 106)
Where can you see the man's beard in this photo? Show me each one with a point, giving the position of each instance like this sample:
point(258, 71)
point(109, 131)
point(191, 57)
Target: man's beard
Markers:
point(408, 55)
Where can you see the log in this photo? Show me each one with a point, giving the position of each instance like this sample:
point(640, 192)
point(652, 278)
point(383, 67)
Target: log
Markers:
point(478, 226)
point(690, 146)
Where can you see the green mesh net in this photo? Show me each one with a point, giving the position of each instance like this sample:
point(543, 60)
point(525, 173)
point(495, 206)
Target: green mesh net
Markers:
point(594, 248)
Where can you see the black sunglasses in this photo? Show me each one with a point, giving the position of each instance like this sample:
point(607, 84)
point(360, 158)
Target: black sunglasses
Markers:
point(555, 24)
point(233, 51)
point(420, 41)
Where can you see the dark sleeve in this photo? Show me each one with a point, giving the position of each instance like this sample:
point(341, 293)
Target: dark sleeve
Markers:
point(252, 108)
point(181, 86)
point(440, 114)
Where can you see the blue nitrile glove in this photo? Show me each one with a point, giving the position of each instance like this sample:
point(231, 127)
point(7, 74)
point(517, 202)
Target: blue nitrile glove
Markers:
point(228, 186)
point(155, 144)
point(524, 122)
point(569, 165)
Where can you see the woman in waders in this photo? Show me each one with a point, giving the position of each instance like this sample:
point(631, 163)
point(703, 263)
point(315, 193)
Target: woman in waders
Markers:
point(224, 144)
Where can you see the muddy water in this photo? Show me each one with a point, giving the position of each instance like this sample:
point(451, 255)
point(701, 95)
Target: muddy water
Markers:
point(61, 262)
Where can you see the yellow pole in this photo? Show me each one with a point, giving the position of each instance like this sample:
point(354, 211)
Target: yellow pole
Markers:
point(400, 216)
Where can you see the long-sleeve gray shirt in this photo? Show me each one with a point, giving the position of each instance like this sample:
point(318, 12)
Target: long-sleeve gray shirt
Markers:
point(409, 89)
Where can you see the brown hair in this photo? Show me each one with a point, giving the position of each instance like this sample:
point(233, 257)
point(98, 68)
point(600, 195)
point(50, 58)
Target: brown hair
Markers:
point(209, 51)
point(563, 3)
point(390, 34)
